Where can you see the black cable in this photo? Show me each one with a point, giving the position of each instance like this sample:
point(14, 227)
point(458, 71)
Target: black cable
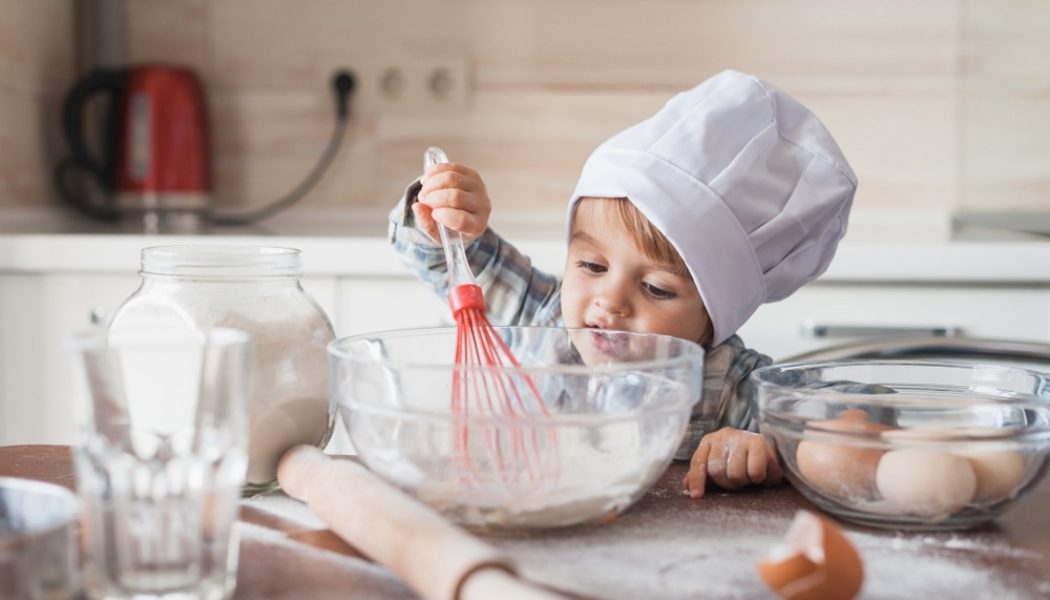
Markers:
point(292, 197)
point(343, 84)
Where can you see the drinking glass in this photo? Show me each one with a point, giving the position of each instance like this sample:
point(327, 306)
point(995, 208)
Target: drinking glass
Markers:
point(160, 460)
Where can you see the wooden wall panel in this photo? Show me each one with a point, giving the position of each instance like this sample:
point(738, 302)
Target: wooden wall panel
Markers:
point(937, 104)
point(36, 66)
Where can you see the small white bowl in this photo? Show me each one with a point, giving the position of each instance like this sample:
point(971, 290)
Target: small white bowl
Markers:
point(38, 540)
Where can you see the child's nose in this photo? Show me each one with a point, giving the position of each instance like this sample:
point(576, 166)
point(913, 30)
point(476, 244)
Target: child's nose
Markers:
point(612, 301)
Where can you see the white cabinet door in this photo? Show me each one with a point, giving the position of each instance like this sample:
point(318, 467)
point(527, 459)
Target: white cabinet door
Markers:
point(368, 304)
point(822, 315)
point(380, 303)
point(37, 313)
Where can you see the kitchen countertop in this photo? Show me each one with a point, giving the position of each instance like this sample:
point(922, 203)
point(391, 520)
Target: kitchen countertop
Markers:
point(881, 246)
point(666, 546)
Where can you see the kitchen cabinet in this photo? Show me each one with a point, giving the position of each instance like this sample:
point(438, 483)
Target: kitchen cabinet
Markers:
point(38, 313)
point(52, 284)
point(379, 303)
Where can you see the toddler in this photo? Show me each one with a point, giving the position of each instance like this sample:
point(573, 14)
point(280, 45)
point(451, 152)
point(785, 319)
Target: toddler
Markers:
point(733, 194)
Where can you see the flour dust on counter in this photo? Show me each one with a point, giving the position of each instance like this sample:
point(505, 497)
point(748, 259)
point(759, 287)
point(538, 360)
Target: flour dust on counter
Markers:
point(935, 566)
point(708, 548)
point(641, 558)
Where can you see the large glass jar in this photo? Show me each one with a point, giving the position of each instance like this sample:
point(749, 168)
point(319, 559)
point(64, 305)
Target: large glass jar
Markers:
point(255, 289)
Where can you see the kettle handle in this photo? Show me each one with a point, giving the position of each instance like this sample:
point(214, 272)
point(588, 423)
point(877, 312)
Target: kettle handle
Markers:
point(106, 81)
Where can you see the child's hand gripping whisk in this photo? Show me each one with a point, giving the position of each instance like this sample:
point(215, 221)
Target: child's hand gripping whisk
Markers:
point(488, 380)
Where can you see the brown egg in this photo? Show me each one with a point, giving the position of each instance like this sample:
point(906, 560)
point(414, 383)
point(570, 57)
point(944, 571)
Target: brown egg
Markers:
point(839, 469)
point(815, 561)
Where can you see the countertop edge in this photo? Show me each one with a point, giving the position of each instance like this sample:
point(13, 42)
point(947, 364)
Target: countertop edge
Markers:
point(881, 246)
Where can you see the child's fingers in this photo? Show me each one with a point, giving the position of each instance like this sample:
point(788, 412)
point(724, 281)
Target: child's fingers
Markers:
point(449, 198)
point(736, 464)
point(448, 180)
point(476, 209)
point(425, 221)
point(462, 221)
point(757, 460)
point(696, 478)
point(453, 168)
point(439, 168)
point(717, 463)
point(451, 177)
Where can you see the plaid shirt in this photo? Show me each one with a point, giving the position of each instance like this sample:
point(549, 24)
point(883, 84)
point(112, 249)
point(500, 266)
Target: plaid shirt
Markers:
point(516, 293)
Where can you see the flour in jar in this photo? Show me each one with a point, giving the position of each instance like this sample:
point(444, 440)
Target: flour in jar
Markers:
point(288, 402)
point(289, 398)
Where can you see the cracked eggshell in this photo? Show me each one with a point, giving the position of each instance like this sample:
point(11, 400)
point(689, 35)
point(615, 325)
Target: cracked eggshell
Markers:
point(814, 561)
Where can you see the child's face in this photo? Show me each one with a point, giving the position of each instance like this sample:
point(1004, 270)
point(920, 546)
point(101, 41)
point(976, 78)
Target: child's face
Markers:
point(610, 283)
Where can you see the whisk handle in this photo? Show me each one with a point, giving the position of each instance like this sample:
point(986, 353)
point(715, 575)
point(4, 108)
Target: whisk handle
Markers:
point(456, 256)
point(451, 240)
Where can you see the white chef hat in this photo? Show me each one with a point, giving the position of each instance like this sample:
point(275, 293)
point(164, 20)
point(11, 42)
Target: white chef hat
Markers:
point(744, 181)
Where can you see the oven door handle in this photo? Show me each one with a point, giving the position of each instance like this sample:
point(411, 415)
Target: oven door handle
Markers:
point(943, 347)
point(814, 329)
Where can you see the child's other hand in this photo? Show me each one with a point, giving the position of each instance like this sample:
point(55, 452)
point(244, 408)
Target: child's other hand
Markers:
point(732, 458)
point(454, 196)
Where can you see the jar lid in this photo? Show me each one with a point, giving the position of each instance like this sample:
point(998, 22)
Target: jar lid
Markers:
point(222, 262)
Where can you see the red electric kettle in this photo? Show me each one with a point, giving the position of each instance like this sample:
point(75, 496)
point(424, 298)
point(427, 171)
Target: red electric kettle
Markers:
point(151, 156)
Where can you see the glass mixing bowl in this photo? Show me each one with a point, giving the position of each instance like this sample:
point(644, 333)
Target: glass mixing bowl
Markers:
point(908, 444)
point(576, 434)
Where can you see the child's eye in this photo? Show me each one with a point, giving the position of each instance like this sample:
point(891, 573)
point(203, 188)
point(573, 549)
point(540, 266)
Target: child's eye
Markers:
point(657, 292)
point(590, 267)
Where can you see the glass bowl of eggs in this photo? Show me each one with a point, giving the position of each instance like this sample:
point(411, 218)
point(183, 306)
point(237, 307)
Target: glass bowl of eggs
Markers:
point(574, 434)
point(907, 444)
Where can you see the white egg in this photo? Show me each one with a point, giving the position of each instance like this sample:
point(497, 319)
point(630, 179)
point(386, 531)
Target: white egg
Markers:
point(998, 473)
point(926, 482)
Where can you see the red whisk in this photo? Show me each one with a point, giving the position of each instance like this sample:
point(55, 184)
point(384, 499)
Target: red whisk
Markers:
point(488, 380)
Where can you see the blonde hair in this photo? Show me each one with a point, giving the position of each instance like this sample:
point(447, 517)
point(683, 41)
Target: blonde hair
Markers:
point(653, 243)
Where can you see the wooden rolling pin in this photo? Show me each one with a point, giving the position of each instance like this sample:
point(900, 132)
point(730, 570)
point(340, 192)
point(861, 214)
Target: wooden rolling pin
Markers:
point(438, 560)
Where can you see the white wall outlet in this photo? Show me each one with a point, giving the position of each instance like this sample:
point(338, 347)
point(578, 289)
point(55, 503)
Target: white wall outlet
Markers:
point(415, 85)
